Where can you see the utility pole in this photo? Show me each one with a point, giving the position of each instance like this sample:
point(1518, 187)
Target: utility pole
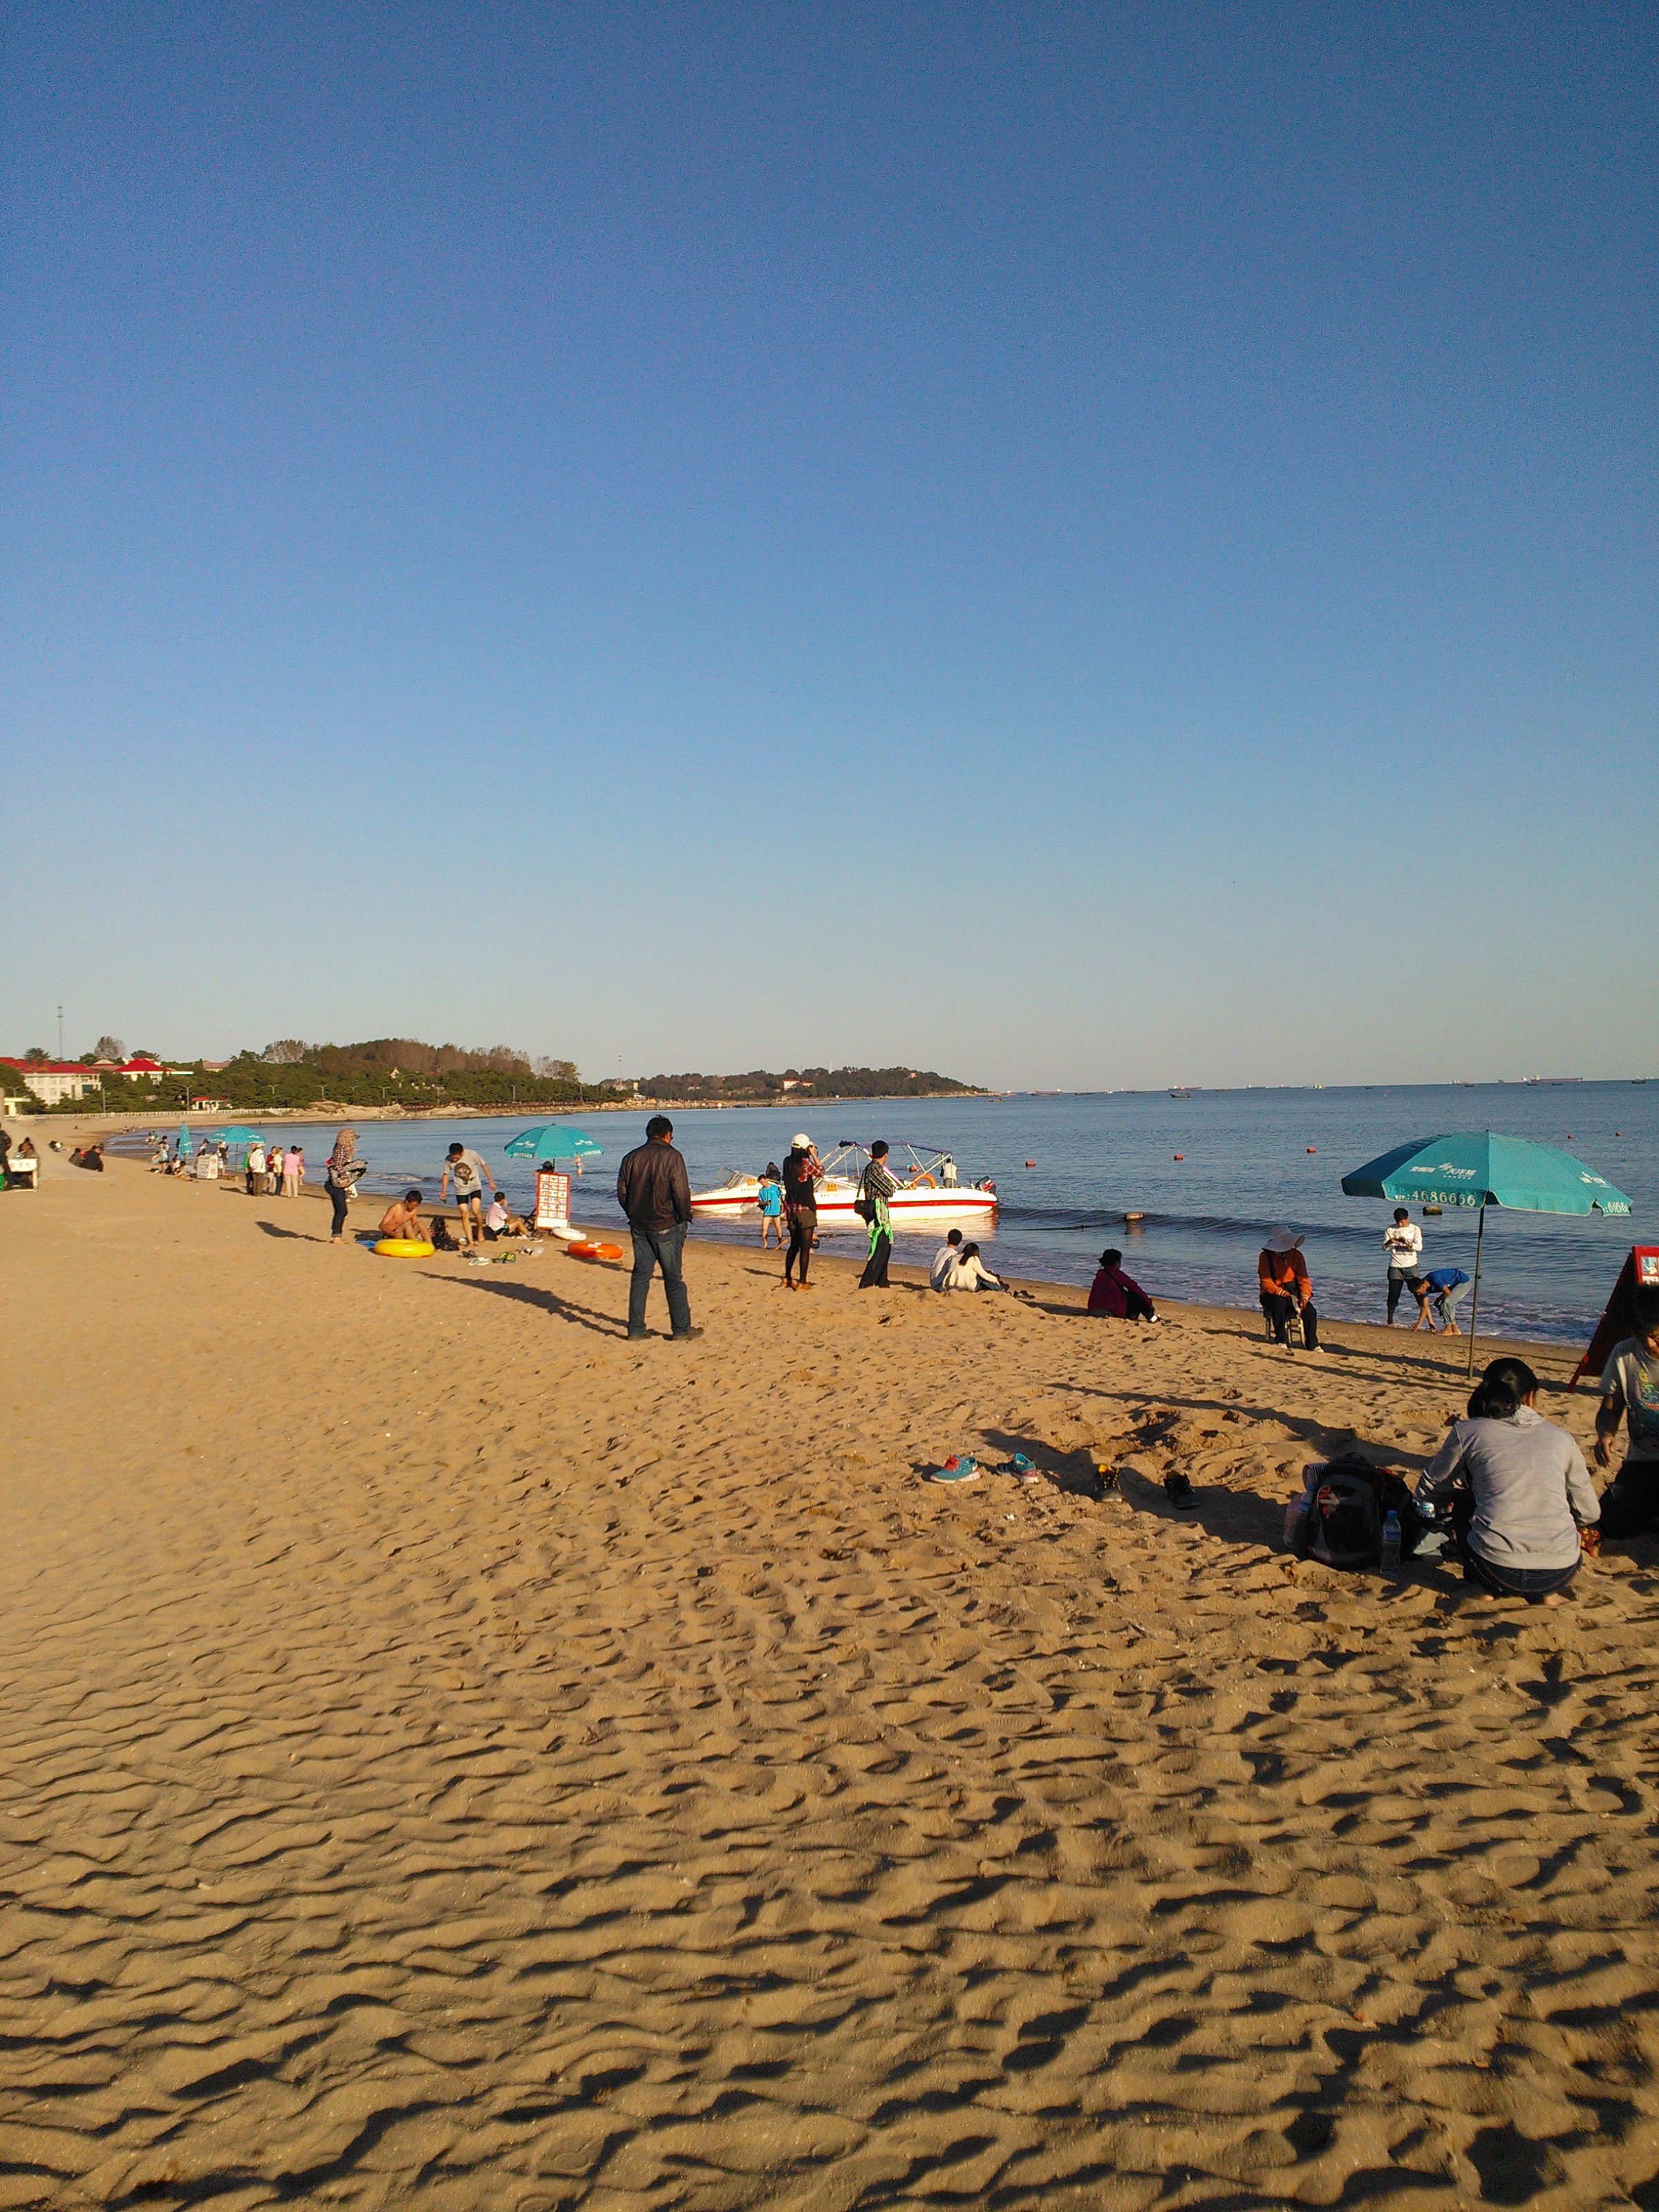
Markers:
point(60, 1033)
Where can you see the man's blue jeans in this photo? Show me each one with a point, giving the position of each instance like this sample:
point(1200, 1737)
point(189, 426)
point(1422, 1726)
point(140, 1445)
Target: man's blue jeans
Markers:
point(653, 1249)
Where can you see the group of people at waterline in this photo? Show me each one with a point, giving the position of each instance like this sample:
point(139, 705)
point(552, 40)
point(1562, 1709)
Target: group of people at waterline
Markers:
point(1286, 1289)
point(1522, 1496)
point(279, 1171)
point(787, 1207)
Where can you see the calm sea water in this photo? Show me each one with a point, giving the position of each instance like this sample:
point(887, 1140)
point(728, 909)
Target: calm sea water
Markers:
point(1251, 1159)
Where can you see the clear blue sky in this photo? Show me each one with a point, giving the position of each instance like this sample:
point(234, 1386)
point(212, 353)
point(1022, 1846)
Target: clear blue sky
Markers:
point(1072, 545)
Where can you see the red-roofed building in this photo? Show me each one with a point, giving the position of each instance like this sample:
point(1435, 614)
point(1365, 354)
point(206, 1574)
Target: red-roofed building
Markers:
point(51, 1081)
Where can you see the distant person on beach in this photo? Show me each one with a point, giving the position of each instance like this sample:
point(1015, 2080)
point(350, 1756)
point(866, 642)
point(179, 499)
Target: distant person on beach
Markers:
point(344, 1169)
point(1519, 1488)
point(769, 1200)
point(876, 1185)
point(1403, 1243)
point(471, 1175)
point(944, 1259)
point(254, 1168)
point(23, 1167)
point(654, 1192)
point(1282, 1280)
point(293, 1170)
point(1630, 1393)
point(402, 1218)
point(91, 1156)
point(1445, 1287)
point(1114, 1292)
point(802, 1174)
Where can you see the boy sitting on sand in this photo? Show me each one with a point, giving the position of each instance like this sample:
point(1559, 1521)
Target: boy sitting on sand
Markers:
point(402, 1218)
point(499, 1222)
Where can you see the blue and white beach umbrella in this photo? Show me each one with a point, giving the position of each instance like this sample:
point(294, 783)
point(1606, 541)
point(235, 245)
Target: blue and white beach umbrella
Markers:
point(1480, 1168)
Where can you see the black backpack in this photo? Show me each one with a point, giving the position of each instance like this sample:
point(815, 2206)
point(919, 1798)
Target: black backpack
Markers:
point(1348, 1501)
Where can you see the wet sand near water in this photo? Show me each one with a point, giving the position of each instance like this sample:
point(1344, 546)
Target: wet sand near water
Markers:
point(451, 1755)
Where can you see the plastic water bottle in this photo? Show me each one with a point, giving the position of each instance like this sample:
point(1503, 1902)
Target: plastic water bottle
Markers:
point(1391, 1542)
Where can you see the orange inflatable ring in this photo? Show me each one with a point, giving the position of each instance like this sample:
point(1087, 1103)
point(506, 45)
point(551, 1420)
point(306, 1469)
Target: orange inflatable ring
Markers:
point(587, 1249)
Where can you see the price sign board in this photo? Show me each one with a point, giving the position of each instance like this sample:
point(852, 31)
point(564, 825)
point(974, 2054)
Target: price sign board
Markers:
point(552, 1199)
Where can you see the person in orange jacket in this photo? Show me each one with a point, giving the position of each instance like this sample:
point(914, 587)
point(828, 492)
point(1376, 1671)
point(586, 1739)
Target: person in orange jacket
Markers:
point(1282, 1275)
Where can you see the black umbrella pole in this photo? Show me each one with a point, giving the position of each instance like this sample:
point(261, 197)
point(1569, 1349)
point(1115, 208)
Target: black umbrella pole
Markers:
point(1474, 1294)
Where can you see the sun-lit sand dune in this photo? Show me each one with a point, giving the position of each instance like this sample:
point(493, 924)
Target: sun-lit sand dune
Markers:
point(454, 1757)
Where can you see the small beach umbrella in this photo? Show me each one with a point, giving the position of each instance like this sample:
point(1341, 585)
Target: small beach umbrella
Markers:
point(1482, 1169)
point(553, 1141)
point(186, 1142)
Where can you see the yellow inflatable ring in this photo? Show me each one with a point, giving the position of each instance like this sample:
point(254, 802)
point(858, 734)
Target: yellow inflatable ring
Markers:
point(404, 1247)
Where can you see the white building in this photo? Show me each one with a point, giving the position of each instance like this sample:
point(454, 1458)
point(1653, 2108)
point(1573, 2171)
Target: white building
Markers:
point(50, 1081)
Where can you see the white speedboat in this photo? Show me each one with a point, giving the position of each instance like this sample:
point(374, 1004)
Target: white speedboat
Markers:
point(928, 1195)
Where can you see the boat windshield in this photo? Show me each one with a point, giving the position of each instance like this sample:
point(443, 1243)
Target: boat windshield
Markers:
point(916, 1167)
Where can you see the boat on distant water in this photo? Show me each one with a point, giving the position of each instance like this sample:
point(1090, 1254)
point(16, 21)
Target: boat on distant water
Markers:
point(1176, 1091)
point(928, 1193)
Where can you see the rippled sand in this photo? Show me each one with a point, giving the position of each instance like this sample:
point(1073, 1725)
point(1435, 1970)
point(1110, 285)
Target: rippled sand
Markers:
point(454, 1757)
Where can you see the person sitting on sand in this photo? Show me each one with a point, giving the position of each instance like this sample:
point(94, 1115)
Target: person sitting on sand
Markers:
point(1114, 1292)
point(945, 1259)
point(402, 1218)
point(92, 1157)
point(1282, 1276)
point(969, 1273)
point(23, 1166)
point(499, 1220)
point(1525, 1489)
point(1629, 1392)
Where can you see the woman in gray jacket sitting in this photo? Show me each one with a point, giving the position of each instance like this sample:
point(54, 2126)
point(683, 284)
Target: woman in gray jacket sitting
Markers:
point(1528, 1491)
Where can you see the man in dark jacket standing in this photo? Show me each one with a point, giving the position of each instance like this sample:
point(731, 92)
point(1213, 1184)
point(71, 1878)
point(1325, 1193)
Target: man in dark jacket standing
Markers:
point(654, 1192)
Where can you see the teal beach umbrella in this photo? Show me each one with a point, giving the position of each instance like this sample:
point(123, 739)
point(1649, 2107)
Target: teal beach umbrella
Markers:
point(1482, 1169)
point(553, 1141)
point(186, 1142)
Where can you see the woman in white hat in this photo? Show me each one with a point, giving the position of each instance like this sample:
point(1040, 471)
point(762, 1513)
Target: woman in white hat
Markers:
point(1282, 1274)
point(801, 1176)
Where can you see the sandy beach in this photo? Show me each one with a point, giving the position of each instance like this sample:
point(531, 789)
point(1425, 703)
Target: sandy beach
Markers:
point(453, 1756)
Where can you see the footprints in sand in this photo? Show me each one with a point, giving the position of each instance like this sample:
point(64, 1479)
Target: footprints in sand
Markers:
point(640, 1803)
